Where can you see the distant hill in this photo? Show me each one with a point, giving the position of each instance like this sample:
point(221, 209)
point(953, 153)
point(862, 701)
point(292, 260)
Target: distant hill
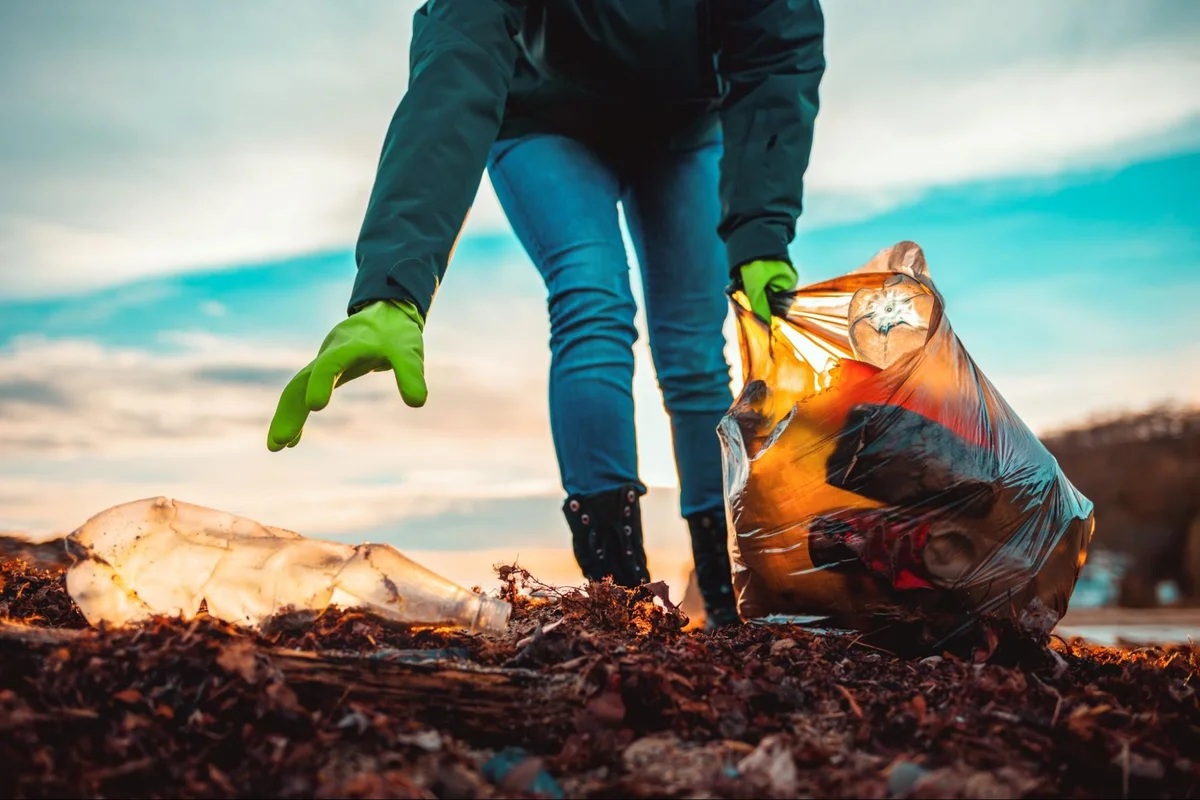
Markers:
point(1142, 470)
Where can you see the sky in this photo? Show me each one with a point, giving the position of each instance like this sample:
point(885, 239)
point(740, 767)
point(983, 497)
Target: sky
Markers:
point(182, 186)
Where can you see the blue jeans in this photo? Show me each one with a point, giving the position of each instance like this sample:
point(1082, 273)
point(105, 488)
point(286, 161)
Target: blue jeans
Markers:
point(561, 197)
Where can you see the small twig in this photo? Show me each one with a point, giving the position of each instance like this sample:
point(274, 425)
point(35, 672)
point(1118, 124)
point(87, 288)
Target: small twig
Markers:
point(78, 713)
point(190, 631)
point(342, 700)
point(129, 767)
point(870, 646)
point(1057, 694)
point(854, 707)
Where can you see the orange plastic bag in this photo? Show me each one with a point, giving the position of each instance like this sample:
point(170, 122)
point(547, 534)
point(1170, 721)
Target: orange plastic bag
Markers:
point(872, 471)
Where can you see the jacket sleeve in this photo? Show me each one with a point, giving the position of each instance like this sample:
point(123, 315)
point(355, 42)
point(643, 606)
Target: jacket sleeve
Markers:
point(773, 58)
point(461, 62)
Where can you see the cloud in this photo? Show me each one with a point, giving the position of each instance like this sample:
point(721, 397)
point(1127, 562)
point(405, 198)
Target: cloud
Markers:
point(214, 309)
point(1045, 116)
point(192, 424)
point(31, 392)
point(84, 426)
point(308, 494)
point(254, 376)
point(147, 140)
point(1055, 390)
point(70, 397)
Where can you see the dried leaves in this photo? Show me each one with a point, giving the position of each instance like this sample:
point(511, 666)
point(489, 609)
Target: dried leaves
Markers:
point(597, 694)
point(36, 596)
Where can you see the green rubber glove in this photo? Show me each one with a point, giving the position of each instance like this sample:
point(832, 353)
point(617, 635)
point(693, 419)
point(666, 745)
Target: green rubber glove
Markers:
point(760, 278)
point(382, 336)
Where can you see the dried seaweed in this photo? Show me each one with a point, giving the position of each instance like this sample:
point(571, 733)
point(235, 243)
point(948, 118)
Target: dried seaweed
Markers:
point(596, 694)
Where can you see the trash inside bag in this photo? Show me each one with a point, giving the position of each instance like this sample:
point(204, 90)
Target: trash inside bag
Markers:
point(162, 556)
point(872, 471)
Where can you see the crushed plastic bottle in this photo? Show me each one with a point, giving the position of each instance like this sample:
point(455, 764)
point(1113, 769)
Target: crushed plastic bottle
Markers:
point(889, 322)
point(163, 556)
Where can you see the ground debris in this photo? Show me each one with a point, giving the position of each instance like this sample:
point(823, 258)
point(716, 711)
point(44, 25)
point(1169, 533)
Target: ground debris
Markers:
point(600, 693)
point(36, 595)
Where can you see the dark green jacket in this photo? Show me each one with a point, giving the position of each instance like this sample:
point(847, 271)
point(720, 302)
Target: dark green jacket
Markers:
point(626, 74)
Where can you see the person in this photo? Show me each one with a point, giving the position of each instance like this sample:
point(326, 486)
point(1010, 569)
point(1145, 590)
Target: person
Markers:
point(697, 118)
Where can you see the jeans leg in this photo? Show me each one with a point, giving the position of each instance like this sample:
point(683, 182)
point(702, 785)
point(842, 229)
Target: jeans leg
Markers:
point(561, 200)
point(673, 208)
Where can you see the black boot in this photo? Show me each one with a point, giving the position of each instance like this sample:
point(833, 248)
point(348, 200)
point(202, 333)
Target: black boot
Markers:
point(606, 534)
point(713, 571)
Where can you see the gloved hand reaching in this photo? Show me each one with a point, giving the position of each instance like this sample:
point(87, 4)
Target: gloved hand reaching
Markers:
point(761, 278)
point(382, 336)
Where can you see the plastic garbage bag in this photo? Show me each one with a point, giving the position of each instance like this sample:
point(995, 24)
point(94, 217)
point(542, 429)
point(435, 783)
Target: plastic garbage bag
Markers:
point(162, 556)
point(872, 470)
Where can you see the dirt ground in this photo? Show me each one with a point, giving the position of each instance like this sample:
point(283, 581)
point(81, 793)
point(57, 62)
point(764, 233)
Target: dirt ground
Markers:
point(600, 696)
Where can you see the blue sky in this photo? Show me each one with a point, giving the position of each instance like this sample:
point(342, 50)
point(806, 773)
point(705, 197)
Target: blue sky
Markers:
point(177, 241)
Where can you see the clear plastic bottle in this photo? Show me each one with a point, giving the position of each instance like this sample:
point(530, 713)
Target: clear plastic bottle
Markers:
point(888, 323)
point(162, 556)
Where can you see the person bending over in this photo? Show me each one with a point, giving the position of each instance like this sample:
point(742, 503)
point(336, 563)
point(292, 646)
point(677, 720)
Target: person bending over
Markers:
point(696, 116)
